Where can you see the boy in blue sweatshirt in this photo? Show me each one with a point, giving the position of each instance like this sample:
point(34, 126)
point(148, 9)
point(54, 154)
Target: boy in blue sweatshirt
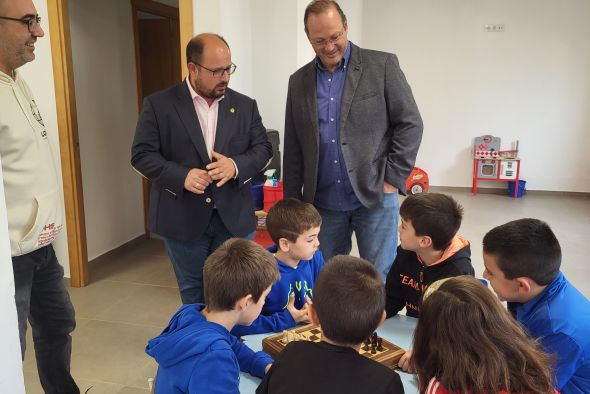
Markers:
point(196, 352)
point(522, 260)
point(293, 226)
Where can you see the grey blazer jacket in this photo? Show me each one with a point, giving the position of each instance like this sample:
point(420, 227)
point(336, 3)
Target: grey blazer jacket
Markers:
point(380, 128)
point(169, 142)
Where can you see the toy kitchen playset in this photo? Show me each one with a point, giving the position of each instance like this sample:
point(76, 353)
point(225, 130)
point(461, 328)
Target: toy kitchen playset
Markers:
point(492, 164)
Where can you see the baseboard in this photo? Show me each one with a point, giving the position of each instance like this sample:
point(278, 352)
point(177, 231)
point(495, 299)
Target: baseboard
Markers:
point(480, 190)
point(504, 191)
point(126, 246)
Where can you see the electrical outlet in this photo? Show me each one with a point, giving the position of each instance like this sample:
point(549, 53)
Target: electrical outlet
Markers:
point(494, 28)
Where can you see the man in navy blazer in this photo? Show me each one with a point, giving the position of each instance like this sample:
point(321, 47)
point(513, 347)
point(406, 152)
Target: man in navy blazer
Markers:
point(200, 143)
point(352, 132)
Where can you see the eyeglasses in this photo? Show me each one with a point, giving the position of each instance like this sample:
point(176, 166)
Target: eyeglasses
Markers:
point(218, 72)
point(322, 42)
point(32, 22)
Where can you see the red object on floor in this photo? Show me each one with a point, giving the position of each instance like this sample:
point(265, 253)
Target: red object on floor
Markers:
point(262, 238)
point(417, 182)
point(272, 194)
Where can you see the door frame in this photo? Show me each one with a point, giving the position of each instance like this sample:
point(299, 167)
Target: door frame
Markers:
point(65, 97)
point(164, 11)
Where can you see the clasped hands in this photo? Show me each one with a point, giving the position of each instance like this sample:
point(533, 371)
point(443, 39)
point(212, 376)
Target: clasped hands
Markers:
point(221, 170)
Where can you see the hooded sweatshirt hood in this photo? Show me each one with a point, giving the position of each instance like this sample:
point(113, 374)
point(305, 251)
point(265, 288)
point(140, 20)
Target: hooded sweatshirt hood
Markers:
point(194, 353)
point(187, 335)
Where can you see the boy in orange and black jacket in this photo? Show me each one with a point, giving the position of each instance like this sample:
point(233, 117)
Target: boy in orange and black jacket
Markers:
point(429, 250)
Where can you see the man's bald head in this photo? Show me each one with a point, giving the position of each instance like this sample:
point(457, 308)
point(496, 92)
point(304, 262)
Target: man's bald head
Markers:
point(196, 46)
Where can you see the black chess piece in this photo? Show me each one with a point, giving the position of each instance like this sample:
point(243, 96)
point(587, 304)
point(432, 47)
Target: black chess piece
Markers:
point(366, 347)
point(374, 339)
point(373, 349)
point(380, 344)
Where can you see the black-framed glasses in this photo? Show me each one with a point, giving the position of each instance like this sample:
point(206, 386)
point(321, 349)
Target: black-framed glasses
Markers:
point(322, 42)
point(32, 22)
point(218, 72)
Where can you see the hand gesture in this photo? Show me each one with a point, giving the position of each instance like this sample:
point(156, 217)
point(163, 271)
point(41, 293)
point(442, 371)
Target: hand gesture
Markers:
point(405, 362)
point(299, 315)
point(222, 169)
point(197, 181)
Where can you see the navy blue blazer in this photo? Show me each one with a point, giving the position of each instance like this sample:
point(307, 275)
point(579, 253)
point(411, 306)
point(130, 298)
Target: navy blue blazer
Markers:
point(169, 142)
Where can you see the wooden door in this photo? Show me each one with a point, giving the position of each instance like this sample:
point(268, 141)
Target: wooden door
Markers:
point(157, 56)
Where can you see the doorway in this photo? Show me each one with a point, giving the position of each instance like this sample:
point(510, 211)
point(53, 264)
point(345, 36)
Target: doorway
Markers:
point(156, 33)
point(59, 26)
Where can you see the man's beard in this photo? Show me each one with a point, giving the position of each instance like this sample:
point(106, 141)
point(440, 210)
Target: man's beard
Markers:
point(214, 93)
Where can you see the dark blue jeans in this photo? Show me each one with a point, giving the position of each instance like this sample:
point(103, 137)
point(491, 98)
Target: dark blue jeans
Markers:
point(375, 230)
point(188, 258)
point(42, 298)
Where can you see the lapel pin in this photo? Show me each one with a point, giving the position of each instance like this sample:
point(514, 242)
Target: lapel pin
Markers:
point(232, 110)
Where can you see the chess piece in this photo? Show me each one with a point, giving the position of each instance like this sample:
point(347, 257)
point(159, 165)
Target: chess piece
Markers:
point(373, 349)
point(380, 344)
point(366, 347)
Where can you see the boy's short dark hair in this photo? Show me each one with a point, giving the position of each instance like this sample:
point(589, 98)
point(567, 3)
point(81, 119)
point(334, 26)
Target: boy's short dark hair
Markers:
point(290, 218)
point(237, 268)
point(349, 298)
point(435, 215)
point(525, 247)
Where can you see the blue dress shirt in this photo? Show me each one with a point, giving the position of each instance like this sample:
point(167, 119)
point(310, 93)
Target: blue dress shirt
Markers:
point(334, 190)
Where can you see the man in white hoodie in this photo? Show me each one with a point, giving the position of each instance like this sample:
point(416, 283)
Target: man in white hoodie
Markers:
point(34, 204)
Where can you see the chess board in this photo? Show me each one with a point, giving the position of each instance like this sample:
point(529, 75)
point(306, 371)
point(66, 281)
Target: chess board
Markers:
point(274, 344)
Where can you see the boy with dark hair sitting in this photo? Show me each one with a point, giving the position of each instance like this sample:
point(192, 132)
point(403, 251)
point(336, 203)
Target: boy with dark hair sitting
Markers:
point(196, 352)
point(349, 304)
point(429, 250)
point(522, 260)
point(293, 225)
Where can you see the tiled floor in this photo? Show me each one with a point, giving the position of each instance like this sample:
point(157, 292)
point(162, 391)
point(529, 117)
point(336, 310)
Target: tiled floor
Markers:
point(133, 291)
point(131, 298)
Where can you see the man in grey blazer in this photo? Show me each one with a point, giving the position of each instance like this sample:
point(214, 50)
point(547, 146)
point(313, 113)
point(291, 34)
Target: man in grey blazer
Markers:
point(200, 143)
point(352, 132)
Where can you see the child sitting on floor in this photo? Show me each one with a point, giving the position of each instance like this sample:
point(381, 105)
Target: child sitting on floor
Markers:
point(196, 352)
point(466, 342)
point(429, 250)
point(522, 260)
point(349, 304)
point(293, 226)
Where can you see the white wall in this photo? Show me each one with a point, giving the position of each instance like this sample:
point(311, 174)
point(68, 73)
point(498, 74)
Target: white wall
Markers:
point(273, 30)
point(530, 83)
point(268, 44)
point(106, 100)
point(11, 372)
point(230, 19)
point(262, 36)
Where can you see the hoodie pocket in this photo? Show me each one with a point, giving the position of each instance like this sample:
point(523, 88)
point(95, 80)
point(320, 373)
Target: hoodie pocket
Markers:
point(47, 223)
